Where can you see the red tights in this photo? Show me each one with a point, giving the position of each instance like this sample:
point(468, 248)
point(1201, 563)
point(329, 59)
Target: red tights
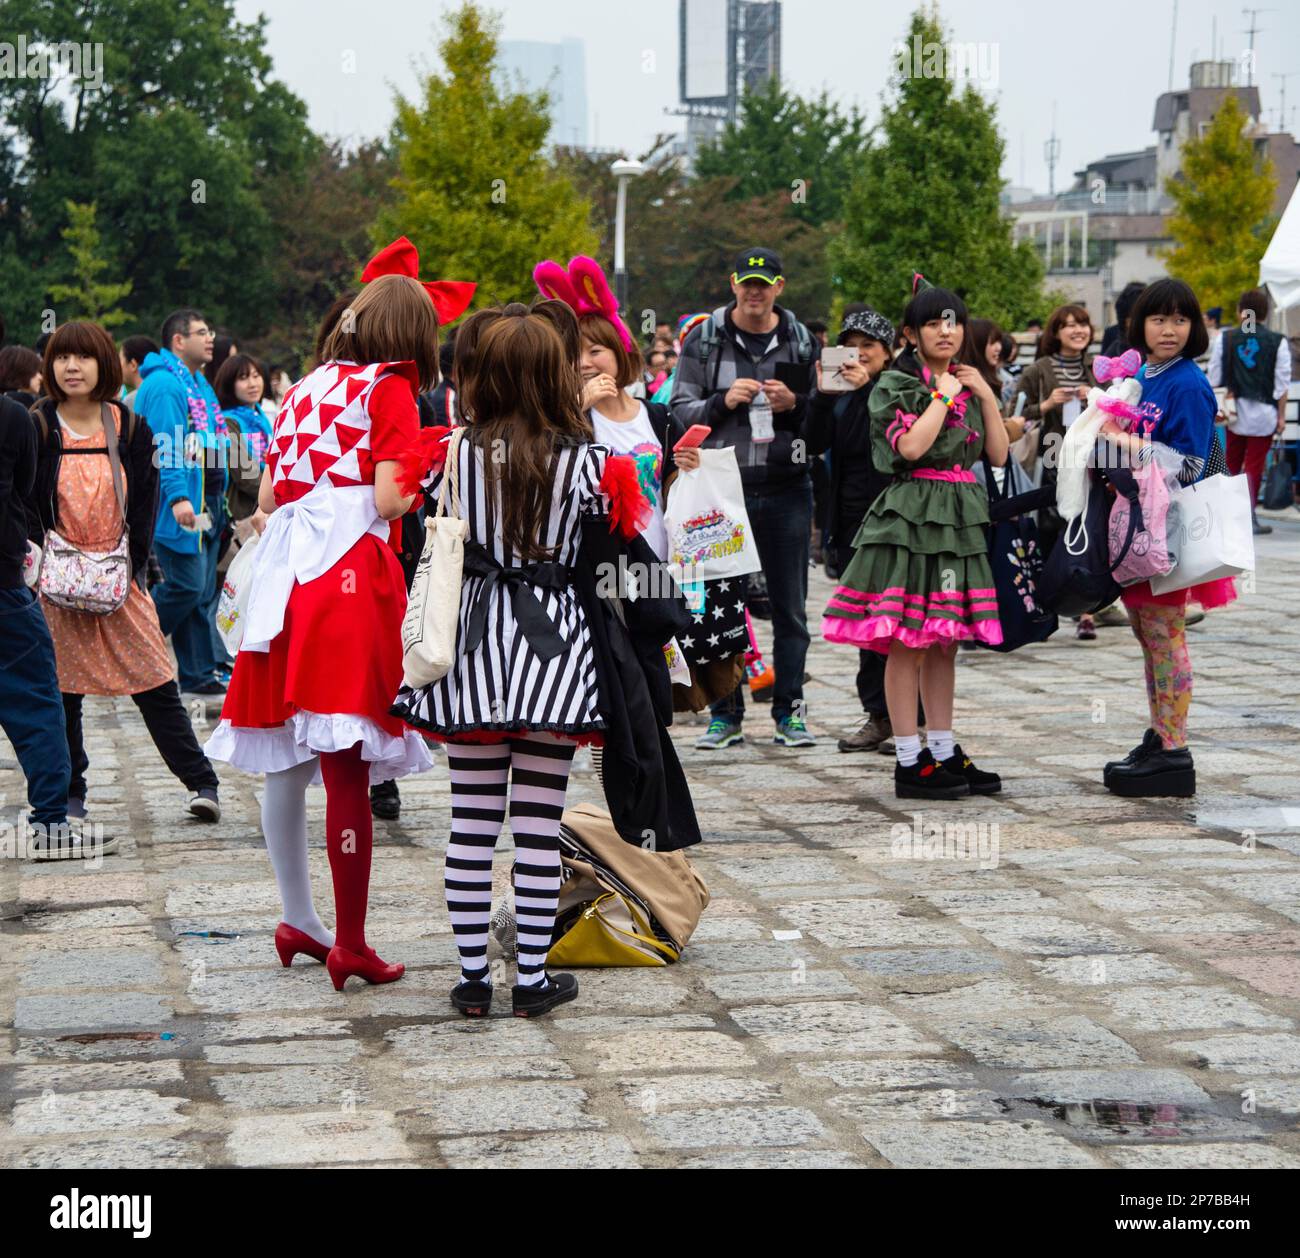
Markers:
point(348, 836)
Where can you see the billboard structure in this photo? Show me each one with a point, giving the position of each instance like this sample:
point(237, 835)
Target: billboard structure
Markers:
point(727, 47)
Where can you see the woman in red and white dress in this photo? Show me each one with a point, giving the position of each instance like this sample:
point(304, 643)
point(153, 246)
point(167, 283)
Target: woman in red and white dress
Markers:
point(321, 656)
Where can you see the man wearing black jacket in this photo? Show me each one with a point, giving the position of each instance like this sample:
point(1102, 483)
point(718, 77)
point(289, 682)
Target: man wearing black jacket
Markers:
point(727, 379)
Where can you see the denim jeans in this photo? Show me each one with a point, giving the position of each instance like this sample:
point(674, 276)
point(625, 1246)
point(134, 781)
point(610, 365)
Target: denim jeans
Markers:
point(31, 710)
point(781, 520)
point(183, 600)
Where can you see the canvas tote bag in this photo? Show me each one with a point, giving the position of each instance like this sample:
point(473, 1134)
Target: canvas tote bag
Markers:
point(433, 605)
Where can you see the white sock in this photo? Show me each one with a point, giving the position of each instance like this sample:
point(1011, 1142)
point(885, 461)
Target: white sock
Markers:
point(940, 743)
point(284, 826)
point(907, 747)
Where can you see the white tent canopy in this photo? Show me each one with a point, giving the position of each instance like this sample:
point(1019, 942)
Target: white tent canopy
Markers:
point(1279, 268)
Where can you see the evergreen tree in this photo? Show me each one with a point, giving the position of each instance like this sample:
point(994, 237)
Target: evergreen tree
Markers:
point(925, 197)
point(87, 297)
point(1222, 220)
point(475, 190)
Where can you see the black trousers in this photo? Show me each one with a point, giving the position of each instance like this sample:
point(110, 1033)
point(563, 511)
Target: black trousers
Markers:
point(871, 666)
point(169, 727)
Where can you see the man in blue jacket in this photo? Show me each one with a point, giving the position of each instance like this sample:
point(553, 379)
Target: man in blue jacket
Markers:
point(193, 453)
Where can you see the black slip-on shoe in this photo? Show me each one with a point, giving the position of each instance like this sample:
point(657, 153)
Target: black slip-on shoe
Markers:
point(980, 781)
point(472, 997)
point(928, 779)
point(532, 1002)
point(1158, 773)
point(385, 802)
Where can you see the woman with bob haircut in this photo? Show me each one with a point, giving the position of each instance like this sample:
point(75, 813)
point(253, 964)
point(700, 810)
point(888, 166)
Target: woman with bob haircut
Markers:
point(321, 656)
point(122, 653)
point(1167, 329)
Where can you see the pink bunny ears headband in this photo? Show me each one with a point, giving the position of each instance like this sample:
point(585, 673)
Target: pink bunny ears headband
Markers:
point(583, 288)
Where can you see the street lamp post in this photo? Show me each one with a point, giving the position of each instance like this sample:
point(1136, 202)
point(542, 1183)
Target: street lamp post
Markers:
point(622, 170)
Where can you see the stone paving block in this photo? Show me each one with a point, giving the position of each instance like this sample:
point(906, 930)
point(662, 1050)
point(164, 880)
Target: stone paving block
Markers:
point(746, 1125)
point(651, 1096)
point(294, 1087)
point(1282, 1095)
point(315, 1139)
point(889, 1073)
point(64, 1077)
point(100, 1011)
point(1107, 971)
point(1044, 934)
point(991, 1145)
point(121, 1110)
point(1188, 1008)
point(506, 1107)
point(988, 997)
point(115, 968)
point(1243, 1053)
point(796, 983)
point(431, 1078)
point(1025, 1040)
point(1213, 1156)
point(129, 1152)
point(488, 1037)
point(772, 1160)
point(1156, 1087)
point(830, 1027)
point(913, 961)
point(668, 1051)
point(575, 1150)
point(918, 1104)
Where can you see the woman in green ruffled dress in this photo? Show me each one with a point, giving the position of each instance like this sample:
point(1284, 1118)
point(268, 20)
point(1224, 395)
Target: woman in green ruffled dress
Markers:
point(920, 581)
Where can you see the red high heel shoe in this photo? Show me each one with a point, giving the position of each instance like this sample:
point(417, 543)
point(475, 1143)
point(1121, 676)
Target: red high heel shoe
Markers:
point(343, 964)
point(289, 941)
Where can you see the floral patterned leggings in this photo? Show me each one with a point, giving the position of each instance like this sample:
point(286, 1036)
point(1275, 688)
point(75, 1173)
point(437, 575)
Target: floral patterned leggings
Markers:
point(1162, 632)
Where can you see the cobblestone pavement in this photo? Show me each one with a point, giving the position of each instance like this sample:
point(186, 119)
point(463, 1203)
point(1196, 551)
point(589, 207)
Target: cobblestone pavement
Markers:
point(1102, 983)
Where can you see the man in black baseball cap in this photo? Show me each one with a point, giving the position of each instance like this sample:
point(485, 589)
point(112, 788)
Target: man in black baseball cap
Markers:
point(745, 372)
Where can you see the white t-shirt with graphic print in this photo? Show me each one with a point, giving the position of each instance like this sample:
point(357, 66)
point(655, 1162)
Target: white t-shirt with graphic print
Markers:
point(637, 438)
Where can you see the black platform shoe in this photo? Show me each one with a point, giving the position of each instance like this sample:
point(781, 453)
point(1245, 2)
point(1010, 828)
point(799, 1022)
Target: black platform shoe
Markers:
point(1157, 773)
point(928, 779)
point(1150, 742)
point(532, 1002)
point(472, 997)
point(385, 802)
point(980, 781)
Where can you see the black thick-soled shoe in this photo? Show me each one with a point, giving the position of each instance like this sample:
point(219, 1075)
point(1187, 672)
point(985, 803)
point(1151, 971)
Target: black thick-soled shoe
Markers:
point(1160, 772)
point(980, 781)
point(472, 997)
point(532, 1002)
point(385, 802)
point(928, 779)
point(1150, 742)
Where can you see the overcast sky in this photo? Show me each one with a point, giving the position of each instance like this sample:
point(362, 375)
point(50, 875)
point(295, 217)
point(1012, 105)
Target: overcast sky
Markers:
point(1102, 63)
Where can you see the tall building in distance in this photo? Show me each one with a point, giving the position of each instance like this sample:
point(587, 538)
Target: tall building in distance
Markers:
point(559, 69)
point(728, 47)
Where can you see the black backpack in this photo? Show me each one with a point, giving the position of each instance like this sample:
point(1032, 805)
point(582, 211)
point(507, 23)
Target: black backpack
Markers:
point(1077, 578)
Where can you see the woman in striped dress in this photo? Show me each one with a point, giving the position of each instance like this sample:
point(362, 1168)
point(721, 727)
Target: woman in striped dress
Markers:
point(521, 693)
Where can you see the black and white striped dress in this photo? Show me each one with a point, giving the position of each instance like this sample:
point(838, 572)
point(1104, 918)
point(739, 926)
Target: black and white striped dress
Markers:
point(502, 687)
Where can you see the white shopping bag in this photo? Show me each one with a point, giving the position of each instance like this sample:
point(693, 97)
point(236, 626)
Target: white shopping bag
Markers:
point(1213, 537)
point(709, 535)
point(236, 588)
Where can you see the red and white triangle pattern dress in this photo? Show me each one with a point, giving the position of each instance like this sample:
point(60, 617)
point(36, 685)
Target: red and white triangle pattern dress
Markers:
point(326, 680)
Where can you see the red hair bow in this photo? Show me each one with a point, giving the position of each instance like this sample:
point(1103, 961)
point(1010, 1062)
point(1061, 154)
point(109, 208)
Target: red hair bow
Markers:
point(450, 298)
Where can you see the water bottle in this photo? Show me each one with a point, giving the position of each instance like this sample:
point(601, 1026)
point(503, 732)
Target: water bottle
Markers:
point(760, 419)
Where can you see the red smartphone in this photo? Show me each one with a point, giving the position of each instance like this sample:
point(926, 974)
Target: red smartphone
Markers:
point(695, 436)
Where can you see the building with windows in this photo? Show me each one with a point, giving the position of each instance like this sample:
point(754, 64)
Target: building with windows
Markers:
point(559, 69)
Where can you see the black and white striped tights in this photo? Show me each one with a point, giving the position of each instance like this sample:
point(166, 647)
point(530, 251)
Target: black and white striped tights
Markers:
point(531, 774)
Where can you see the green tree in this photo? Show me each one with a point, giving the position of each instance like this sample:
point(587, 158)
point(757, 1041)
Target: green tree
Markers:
point(1222, 219)
point(177, 134)
point(925, 197)
point(475, 191)
point(801, 151)
point(87, 296)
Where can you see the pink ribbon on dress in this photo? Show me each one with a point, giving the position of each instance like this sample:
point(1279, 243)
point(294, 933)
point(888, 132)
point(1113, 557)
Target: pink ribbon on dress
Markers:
point(954, 475)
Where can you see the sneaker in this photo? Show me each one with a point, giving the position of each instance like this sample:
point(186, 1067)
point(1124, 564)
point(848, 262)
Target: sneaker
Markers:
point(792, 732)
point(1150, 742)
point(1112, 617)
point(61, 843)
point(980, 781)
point(207, 688)
point(472, 997)
point(205, 805)
point(1193, 618)
point(1260, 529)
point(869, 734)
point(385, 802)
point(721, 733)
point(1086, 630)
point(532, 1002)
point(928, 779)
point(1160, 772)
